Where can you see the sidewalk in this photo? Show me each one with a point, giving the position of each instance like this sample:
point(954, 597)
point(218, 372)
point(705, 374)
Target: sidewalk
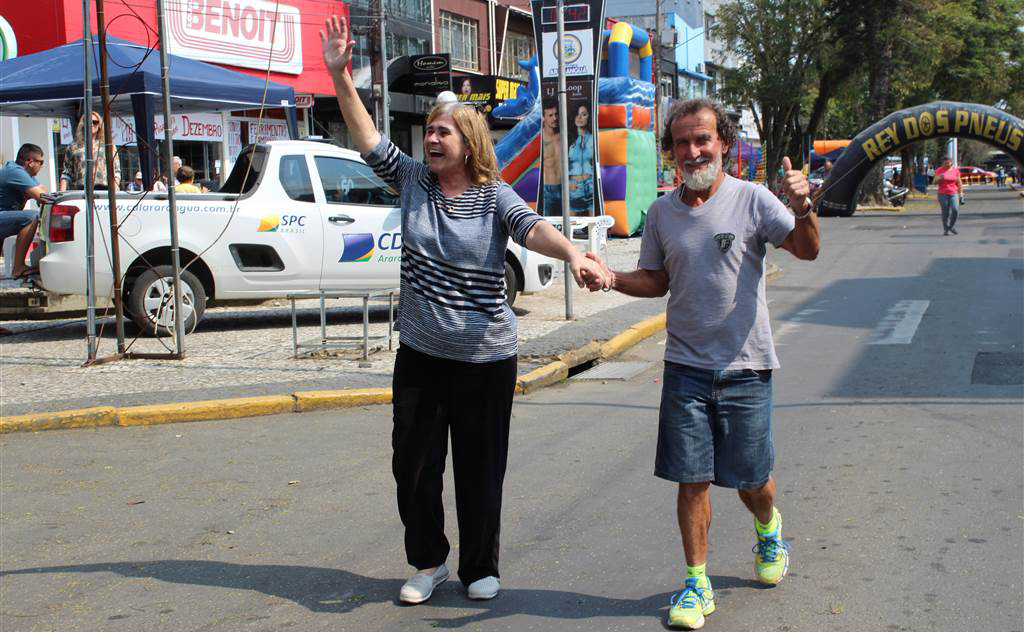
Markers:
point(247, 351)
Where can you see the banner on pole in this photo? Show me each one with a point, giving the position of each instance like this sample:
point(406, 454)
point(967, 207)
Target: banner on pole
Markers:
point(581, 45)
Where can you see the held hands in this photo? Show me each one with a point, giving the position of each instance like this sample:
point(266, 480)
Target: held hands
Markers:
point(794, 186)
point(605, 280)
point(337, 45)
point(590, 272)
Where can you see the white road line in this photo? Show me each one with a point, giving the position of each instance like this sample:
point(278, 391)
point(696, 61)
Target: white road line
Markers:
point(899, 324)
point(793, 323)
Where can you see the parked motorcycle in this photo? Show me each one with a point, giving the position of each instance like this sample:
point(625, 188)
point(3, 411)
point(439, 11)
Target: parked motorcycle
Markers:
point(896, 195)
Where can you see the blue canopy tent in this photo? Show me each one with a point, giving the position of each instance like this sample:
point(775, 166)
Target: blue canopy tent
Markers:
point(50, 83)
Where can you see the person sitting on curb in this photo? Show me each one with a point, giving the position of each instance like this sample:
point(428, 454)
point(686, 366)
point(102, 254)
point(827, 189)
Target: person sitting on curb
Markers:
point(18, 185)
point(185, 177)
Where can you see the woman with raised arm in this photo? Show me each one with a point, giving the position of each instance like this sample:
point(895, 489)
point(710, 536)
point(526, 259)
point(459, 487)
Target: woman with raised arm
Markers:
point(455, 370)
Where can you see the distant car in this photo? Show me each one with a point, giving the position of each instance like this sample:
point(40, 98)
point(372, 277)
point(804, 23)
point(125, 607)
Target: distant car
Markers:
point(976, 174)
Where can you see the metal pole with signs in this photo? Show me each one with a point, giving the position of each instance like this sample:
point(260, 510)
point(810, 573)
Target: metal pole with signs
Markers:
point(580, 45)
point(568, 46)
point(563, 150)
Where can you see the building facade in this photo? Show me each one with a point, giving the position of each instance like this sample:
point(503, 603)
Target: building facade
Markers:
point(241, 35)
point(485, 40)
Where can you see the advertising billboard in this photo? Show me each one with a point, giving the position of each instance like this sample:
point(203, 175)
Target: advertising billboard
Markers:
point(580, 47)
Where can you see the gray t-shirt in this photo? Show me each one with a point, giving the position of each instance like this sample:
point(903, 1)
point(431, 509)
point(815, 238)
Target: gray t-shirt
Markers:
point(453, 260)
point(714, 257)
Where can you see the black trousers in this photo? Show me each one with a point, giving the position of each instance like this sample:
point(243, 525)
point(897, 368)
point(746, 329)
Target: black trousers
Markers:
point(432, 396)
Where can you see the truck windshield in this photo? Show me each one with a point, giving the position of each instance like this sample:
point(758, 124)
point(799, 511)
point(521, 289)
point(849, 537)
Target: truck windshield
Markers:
point(247, 170)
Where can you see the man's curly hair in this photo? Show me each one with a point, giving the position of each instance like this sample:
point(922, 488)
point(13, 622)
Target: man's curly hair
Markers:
point(724, 125)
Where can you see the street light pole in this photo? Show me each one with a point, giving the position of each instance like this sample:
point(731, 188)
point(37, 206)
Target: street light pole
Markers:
point(563, 151)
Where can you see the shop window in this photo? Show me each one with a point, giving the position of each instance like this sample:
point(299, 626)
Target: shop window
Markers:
point(295, 178)
point(349, 182)
point(517, 47)
point(459, 38)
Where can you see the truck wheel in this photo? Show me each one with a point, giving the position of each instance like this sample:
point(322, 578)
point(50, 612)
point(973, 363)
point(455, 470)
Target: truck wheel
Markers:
point(511, 284)
point(151, 301)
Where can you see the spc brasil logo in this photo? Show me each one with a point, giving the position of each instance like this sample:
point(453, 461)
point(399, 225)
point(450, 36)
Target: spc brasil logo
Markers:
point(361, 247)
point(294, 224)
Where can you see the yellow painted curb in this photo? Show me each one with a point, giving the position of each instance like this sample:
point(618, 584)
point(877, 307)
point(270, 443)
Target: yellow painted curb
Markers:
point(652, 325)
point(586, 353)
point(306, 401)
point(890, 209)
point(83, 418)
point(632, 336)
point(541, 377)
point(205, 410)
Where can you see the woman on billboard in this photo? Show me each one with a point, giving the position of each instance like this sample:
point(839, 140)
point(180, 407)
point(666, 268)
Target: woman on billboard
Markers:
point(581, 164)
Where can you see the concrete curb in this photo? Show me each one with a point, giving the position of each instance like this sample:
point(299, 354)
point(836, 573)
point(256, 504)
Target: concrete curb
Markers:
point(205, 410)
point(83, 418)
point(305, 401)
point(889, 209)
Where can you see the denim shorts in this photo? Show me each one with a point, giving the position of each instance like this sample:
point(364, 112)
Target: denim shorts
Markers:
point(552, 199)
point(11, 222)
point(715, 426)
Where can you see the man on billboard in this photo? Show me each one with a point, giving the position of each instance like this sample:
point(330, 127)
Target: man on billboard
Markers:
point(551, 162)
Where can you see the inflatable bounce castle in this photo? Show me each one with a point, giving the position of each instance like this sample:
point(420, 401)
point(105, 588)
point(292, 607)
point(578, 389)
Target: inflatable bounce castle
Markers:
point(627, 143)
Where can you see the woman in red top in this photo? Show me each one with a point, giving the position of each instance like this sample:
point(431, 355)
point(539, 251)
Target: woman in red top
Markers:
point(951, 189)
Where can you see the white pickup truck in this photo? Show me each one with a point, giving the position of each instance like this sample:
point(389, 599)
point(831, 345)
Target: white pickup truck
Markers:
point(293, 216)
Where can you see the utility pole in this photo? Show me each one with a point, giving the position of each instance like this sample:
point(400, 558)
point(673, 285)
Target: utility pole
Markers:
point(90, 209)
point(108, 144)
point(172, 209)
point(385, 95)
point(657, 87)
point(563, 150)
point(377, 29)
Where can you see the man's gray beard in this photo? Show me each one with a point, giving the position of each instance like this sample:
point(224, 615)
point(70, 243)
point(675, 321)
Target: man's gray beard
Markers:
point(702, 179)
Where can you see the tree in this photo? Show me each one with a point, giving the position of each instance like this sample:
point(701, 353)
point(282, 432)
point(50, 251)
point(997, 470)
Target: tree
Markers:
point(776, 42)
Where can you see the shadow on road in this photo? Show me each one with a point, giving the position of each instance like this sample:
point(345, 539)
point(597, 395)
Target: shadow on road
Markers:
point(338, 591)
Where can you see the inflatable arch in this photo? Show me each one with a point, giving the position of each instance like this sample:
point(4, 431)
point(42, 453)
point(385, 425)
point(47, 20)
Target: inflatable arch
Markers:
point(934, 120)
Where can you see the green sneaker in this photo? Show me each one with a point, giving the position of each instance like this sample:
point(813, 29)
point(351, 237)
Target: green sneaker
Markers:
point(690, 606)
point(771, 554)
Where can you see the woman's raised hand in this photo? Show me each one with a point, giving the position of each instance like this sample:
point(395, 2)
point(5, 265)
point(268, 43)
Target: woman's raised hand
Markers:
point(337, 45)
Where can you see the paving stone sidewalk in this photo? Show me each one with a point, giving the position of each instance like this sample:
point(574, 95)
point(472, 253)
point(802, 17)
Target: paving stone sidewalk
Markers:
point(247, 351)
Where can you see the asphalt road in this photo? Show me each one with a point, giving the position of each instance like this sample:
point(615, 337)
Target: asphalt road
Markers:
point(899, 447)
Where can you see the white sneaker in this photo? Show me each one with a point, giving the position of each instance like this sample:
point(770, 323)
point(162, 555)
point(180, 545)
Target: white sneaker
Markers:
point(486, 588)
point(421, 585)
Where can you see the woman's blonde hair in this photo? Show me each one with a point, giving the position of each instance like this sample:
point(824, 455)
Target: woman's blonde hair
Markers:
point(481, 164)
point(97, 136)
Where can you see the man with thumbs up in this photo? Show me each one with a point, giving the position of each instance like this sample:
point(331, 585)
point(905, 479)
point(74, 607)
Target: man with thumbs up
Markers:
point(705, 245)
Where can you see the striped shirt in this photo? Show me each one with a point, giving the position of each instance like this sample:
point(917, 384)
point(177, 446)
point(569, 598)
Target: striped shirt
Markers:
point(453, 260)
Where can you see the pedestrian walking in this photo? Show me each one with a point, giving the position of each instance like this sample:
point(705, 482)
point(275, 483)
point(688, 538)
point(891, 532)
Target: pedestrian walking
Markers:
point(455, 369)
point(705, 245)
point(951, 195)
